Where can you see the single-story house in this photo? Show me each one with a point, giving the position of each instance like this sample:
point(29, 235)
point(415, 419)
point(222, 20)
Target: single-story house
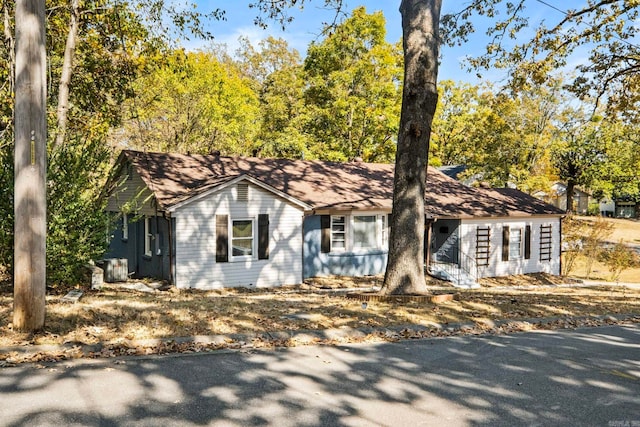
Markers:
point(627, 208)
point(209, 221)
point(558, 197)
point(623, 207)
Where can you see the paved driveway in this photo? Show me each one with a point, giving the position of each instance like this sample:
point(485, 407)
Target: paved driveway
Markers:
point(565, 378)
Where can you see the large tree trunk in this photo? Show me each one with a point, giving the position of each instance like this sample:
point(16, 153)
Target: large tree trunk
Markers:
point(571, 185)
point(30, 167)
point(65, 77)
point(405, 266)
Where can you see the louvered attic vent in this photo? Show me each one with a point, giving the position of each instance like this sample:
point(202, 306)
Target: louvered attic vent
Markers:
point(243, 192)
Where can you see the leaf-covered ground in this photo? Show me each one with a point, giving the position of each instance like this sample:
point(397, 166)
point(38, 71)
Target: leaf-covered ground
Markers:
point(116, 317)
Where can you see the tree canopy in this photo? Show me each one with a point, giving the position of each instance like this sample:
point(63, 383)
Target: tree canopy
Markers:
point(192, 102)
point(605, 29)
point(353, 83)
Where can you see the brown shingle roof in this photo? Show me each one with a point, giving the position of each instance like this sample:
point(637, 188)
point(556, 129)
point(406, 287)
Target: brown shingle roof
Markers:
point(446, 197)
point(175, 178)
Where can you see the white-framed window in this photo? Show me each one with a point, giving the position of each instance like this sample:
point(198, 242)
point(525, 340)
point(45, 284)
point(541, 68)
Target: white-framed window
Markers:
point(515, 243)
point(364, 232)
point(242, 238)
point(125, 226)
point(338, 233)
point(359, 232)
point(148, 236)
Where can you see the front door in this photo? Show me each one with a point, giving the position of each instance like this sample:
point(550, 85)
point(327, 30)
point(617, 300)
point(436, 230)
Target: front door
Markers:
point(445, 241)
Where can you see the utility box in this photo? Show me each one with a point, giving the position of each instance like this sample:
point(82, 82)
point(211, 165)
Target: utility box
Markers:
point(115, 270)
point(97, 276)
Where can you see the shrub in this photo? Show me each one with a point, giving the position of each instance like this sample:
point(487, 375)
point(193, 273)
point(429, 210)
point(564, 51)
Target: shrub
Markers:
point(619, 258)
point(76, 221)
point(6, 207)
point(597, 231)
point(573, 231)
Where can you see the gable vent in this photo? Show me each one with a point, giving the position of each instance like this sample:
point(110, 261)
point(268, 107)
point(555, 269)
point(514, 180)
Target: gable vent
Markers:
point(243, 192)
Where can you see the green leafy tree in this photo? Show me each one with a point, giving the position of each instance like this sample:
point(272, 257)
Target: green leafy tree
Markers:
point(278, 77)
point(6, 206)
point(504, 138)
point(619, 258)
point(271, 56)
point(6, 141)
point(77, 221)
point(194, 103)
point(95, 49)
point(618, 174)
point(454, 123)
point(353, 91)
point(578, 155)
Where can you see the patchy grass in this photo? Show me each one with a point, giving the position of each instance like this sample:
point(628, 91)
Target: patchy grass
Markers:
point(599, 271)
point(527, 280)
point(623, 230)
point(627, 230)
point(115, 315)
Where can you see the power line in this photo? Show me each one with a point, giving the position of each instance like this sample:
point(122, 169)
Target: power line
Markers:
point(564, 12)
point(567, 15)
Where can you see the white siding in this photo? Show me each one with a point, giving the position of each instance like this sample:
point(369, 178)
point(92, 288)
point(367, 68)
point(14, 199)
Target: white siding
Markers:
point(195, 257)
point(496, 266)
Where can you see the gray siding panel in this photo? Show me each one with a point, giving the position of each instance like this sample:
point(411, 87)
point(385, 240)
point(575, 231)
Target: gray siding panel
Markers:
point(317, 263)
point(121, 248)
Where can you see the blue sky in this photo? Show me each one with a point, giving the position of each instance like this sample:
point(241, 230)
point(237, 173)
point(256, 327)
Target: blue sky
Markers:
point(307, 25)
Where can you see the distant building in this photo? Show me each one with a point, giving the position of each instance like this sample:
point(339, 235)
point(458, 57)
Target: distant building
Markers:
point(558, 197)
point(626, 208)
point(457, 172)
point(607, 207)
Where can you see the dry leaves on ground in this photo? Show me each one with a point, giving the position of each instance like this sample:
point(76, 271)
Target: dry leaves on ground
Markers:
point(114, 314)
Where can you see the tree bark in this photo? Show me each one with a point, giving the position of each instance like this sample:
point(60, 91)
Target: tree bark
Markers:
point(8, 36)
point(405, 265)
point(30, 167)
point(569, 194)
point(65, 77)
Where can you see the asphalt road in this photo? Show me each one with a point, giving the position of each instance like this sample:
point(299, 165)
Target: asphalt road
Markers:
point(587, 377)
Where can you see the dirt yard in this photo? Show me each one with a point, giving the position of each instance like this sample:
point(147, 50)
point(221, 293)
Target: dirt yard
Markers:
point(624, 230)
point(116, 315)
point(627, 230)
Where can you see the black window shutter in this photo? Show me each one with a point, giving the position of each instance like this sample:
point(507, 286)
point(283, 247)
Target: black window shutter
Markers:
point(527, 242)
point(222, 238)
point(263, 236)
point(505, 243)
point(325, 229)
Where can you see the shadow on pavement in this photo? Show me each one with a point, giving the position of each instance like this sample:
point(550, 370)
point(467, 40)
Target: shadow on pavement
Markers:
point(583, 377)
